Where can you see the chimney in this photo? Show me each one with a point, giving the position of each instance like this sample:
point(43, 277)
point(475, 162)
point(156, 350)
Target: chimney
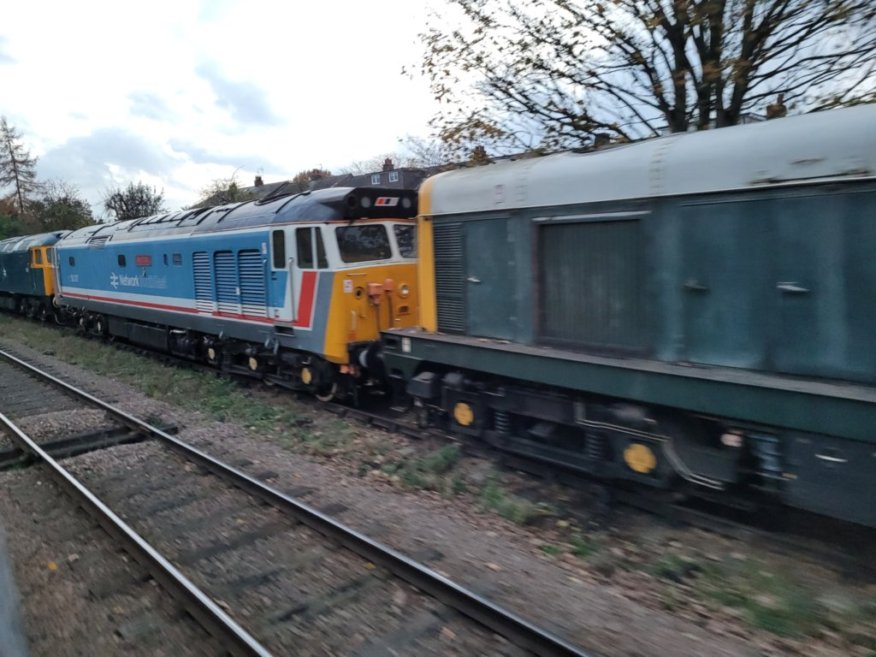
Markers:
point(388, 165)
point(777, 109)
point(258, 181)
point(479, 155)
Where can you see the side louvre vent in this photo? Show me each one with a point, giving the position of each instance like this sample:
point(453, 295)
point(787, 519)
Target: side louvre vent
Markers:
point(590, 284)
point(449, 283)
point(227, 285)
point(203, 282)
point(252, 282)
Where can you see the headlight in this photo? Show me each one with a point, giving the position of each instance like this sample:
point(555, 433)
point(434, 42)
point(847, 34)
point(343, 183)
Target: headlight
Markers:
point(404, 291)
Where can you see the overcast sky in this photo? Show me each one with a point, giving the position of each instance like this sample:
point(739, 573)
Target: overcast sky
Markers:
point(179, 93)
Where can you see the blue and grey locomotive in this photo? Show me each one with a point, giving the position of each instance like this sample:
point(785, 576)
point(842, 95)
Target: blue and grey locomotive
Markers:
point(292, 289)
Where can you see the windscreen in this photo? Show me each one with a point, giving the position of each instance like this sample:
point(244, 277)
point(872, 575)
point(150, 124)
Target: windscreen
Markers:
point(406, 238)
point(363, 243)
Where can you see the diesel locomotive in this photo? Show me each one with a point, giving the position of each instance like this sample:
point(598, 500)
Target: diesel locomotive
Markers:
point(293, 289)
point(27, 274)
point(693, 313)
point(696, 312)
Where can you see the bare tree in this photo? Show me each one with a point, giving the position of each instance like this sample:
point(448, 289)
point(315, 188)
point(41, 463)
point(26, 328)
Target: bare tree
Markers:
point(359, 167)
point(221, 191)
point(134, 201)
point(415, 153)
point(302, 180)
point(558, 73)
point(419, 153)
point(17, 166)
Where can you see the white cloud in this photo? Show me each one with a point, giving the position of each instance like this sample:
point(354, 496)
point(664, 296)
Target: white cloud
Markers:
point(4, 58)
point(178, 93)
point(244, 101)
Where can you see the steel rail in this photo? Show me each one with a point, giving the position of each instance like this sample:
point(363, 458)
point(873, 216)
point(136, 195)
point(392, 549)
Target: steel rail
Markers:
point(207, 612)
point(513, 627)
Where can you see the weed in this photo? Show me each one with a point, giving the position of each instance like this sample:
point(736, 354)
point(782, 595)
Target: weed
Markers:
point(439, 461)
point(582, 547)
point(430, 472)
point(218, 398)
point(769, 600)
point(414, 479)
point(552, 550)
point(327, 441)
point(391, 468)
point(676, 567)
point(513, 508)
point(671, 599)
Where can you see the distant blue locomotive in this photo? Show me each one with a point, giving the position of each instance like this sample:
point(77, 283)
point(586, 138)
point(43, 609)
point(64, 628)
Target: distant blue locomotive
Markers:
point(27, 276)
point(293, 289)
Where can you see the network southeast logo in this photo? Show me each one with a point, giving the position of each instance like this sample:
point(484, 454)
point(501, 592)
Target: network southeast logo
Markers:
point(124, 280)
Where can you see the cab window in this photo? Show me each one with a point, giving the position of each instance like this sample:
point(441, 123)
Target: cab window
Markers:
point(363, 243)
point(309, 244)
point(321, 260)
point(37, 257)
point(406, 238)
point(278, 246)
point(304, 244)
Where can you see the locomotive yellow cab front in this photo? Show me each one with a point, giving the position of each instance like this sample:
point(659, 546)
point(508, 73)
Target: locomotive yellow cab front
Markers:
point(368, 300)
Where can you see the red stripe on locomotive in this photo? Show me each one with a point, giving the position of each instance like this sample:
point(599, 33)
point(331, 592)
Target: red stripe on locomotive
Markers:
point(306, 300)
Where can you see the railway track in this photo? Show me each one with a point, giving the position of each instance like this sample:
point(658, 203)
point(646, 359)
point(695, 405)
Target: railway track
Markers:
point(846, 546)
point(261, 571)
point(81, 593)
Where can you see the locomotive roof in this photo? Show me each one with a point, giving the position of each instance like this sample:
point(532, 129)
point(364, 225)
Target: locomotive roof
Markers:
point(821, 146)
point(336, 203)
point(25, 242)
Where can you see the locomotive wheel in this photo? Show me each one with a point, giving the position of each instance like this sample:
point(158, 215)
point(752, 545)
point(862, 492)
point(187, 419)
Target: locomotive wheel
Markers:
point(329, 394)
point(213, 356)
point(423, 417)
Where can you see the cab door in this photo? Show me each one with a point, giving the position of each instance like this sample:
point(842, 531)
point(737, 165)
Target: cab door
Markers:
point(297, 255)
point(727, 255)
point(823, 286)
point(35, 272)
point(490, 279)
point(310, 257)
point(280, 292)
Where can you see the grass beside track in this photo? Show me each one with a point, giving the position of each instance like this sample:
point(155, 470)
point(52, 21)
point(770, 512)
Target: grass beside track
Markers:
point(276, 415)
point(758, 590)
